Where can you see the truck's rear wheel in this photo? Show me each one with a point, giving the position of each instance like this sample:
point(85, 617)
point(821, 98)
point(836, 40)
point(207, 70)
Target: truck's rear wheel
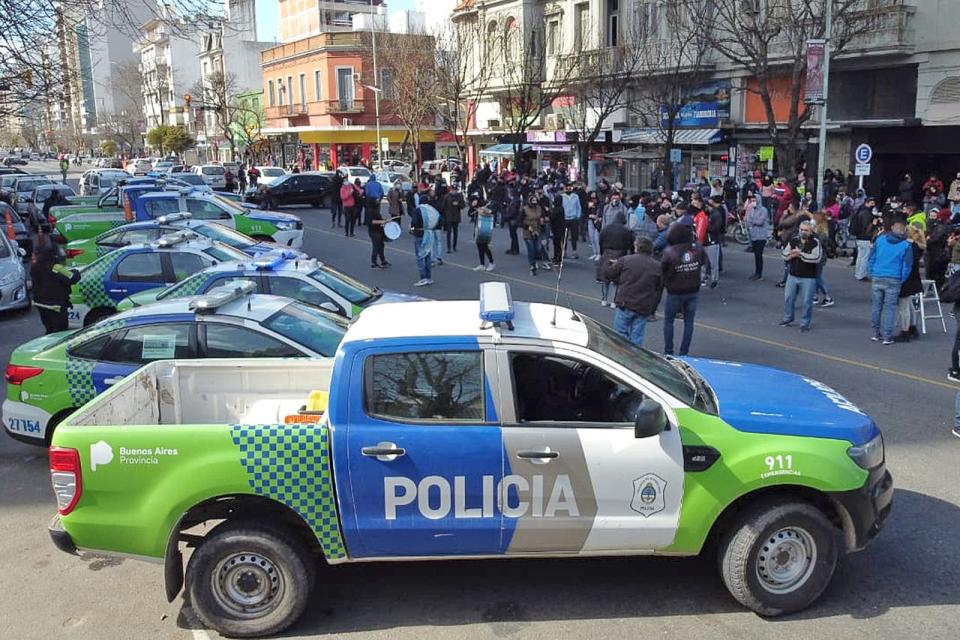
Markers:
point(779, 558)
point(247, 580)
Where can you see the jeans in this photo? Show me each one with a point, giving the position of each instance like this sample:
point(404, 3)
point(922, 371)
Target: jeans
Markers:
point(423, 260)
point(438, 246)
point(758, 246)
point(956, 412)
point(676, 302)
point(594, 237)
point(886, 295)
point(605, 292)
point(822, 286)
point(572, 229)
point(713, 261)
point(955, 354)
point(533, 249)
point(483, 249)
point(377, 240)
point(514, 241)
point(630, 325)
point(863, 256)
point(453, 235)
point(805, 288)
point(350, 222)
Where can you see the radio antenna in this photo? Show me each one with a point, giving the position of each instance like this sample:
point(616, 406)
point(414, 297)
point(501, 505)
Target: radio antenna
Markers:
point(556, 296)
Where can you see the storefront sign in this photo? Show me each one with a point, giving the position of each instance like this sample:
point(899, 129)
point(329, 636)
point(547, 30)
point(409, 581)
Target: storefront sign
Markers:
point(546, 136)
point(707, 104)
point(815, 53)
point(676, 155)
point(765, 154)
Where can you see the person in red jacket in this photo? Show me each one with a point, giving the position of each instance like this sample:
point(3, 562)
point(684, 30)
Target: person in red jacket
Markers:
point(933, 182)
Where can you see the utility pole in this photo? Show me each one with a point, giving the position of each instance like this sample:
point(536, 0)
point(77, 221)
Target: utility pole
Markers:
point(376, 93)
point(822, 150)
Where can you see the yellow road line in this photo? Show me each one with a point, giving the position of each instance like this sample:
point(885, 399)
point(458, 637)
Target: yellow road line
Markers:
point(708, 327)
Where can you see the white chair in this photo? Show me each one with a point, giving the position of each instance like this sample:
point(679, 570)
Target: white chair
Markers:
point(930, 296)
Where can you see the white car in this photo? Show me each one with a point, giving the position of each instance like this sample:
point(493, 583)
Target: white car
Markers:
point(162, 167)
point(13, 276)
point(98, 181)
point(398, 166)
point(353, 173)
point(213, 175)
point(141, 167)
point(232, 167)
point(269, 175)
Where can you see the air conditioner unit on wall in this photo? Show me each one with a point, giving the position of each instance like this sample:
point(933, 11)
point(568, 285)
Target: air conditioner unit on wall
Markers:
point(347, 122)
point(493, 124)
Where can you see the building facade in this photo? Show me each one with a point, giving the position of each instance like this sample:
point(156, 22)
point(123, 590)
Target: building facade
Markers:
point(168, 69)
point(301, 19)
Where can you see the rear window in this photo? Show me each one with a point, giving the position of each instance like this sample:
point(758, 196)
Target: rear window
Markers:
point(212, 171)
point(359, 171)
point(273, 172)
point(317, 330)
point(225, 253)
point(354, 291)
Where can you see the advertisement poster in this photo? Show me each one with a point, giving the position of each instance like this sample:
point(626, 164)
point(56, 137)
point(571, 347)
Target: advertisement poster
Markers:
point(708, 104)
point(814, 88)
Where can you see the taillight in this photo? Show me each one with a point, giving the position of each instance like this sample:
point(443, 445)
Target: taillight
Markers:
point(73, 253)
point(65, 476)
point(16, 374)
point(52, 219)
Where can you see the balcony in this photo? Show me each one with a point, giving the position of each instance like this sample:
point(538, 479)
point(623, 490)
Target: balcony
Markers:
point(343, 106)
point(884, 30)
point(300, 112)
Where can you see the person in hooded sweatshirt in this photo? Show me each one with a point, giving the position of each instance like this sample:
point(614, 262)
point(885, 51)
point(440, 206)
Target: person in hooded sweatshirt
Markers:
point(616, 241)
point(681, 263)
point(890, 265)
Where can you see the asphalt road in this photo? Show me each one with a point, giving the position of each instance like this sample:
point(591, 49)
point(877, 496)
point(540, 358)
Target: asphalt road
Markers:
point(906, 585)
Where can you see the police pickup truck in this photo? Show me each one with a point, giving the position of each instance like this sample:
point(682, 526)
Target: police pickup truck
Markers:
point(466, 429)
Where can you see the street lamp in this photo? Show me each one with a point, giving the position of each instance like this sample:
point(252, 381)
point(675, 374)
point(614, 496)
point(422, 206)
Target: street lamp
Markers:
point(376, 91)
point(822, 151)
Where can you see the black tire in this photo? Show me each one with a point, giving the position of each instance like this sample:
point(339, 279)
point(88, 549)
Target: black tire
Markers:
point(96, 315)
point(252, 553)
point(782, 528)
point(267, 203)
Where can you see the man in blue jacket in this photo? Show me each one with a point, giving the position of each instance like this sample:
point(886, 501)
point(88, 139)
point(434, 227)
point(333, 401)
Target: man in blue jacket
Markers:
point(890, 265)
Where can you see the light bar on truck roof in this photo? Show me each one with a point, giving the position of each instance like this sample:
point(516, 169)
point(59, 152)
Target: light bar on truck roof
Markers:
point(219, 296)
point(173, 239)
point(272, 259)
point(175, 217)
point(496, 303)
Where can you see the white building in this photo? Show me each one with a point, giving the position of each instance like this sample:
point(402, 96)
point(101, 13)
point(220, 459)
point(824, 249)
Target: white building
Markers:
point(168, 68)
point(437, 13)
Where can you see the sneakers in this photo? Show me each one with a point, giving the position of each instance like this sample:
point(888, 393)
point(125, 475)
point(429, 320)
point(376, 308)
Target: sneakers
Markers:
point(384, 265)
point(827, 302)
point(804, 329)
point(533, 270)
point(786, 323)
point(603, 303)
point(875, 337)
point(713, 284)
point(956, 431)
point(781, 285)
point(438, 263)
point(953, 375)
point(575, 256)
point(887, 341)
point(423, 283)
point(480, 267)
point(490, 267)
point(755, 277)
point(546, 266)
point(374, 266)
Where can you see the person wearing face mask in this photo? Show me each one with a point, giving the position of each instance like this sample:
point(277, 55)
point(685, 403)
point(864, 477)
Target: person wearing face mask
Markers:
point(954, 195)
point(533, 216)
point(613, 209)
point(802, 254)
point(571, 218)
point(890, 265)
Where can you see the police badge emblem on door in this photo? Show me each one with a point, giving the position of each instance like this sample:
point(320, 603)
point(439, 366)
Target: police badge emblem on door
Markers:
point(648, 495)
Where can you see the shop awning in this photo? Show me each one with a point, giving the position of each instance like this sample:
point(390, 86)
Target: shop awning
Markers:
point(636, 153)
point(681, 137)
point(503, 150)
point(359, 135)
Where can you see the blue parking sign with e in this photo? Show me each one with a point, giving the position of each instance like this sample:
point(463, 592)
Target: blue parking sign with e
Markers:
point(864, 153)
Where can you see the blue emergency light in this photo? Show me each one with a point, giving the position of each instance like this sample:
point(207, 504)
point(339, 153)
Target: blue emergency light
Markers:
point(272, 259)
point(496, 303)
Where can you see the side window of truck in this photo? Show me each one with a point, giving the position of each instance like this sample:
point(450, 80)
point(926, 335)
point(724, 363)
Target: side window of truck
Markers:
point(552, 388)
point(441, 386)
point(161, 207)
point(140, 267)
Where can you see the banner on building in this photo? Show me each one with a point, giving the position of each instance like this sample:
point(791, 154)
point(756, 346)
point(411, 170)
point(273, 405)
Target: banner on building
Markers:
point(706, 105)
point(814, 85)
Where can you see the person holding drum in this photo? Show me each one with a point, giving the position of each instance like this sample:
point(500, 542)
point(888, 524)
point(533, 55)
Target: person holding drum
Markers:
point(424, 221)
point(483, 220)
point(378, 227)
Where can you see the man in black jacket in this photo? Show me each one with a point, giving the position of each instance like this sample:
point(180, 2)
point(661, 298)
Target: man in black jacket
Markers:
point(802, 254)
point(51, 287)
point(639, 283)
point(681, 263)
point(863, 226)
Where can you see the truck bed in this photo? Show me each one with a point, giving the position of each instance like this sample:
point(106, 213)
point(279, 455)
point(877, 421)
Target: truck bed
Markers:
point(208, 392)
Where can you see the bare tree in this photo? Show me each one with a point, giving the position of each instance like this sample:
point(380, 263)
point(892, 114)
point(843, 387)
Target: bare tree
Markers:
point(237, 120)
point(463, 71)
point(408, 82)
point(672, 52)
point(526, 81)
point(768, 39)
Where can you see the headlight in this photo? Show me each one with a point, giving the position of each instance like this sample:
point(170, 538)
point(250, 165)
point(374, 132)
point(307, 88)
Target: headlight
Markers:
point(868, 455)
point(284, 226)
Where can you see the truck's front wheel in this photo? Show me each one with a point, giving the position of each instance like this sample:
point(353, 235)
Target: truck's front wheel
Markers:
point(247, 580)
point(779, 558)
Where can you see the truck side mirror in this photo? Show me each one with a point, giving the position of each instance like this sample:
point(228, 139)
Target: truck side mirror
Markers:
point(651, 420)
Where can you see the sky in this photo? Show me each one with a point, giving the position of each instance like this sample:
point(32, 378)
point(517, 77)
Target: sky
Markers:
point(267, 28)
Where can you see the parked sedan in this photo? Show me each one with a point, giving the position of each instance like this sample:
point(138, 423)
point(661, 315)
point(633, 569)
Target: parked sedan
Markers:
point(269, 175)
point(13, 276)
point(352, 173)
point(312, 188)
point(387, 178)
point(37, 199)
point(9, 216)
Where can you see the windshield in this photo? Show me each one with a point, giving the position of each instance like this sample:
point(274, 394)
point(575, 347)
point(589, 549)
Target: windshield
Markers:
point(230, 205)
point(189, 178)
point(356, 292)
point(212, 171)
point(163, 165)
point(7, 181)
point(358, 171)
point(644, 363)
point(272, 172)
point(225, 253)
point(29, 185)
point(317, 330)
point(227, 236)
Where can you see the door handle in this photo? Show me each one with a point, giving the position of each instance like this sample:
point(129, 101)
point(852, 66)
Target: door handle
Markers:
point(112, 380)
point(384, 451)
point(544, 454)
point(118, 290)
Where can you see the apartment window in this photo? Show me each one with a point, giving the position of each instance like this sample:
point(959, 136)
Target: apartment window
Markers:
point(345, 86)
point(613, 22)
point(553, 37)
point(289, 94)
point(280, 90)
point(316, 84)
point(648, 19)
point(270, 96)
point(513, 40)
point(386, 84)
point(581, 27)
point(303, 91)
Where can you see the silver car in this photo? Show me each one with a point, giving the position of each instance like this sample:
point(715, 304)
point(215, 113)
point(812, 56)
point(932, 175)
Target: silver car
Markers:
point(13, 276)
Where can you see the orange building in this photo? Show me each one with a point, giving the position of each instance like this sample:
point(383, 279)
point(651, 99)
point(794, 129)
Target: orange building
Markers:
point(319, 105)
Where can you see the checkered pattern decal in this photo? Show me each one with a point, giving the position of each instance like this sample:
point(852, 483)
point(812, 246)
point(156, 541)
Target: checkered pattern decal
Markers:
point(291, 464)
point(192, 285)
point(80, 371)
point(91, 285)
